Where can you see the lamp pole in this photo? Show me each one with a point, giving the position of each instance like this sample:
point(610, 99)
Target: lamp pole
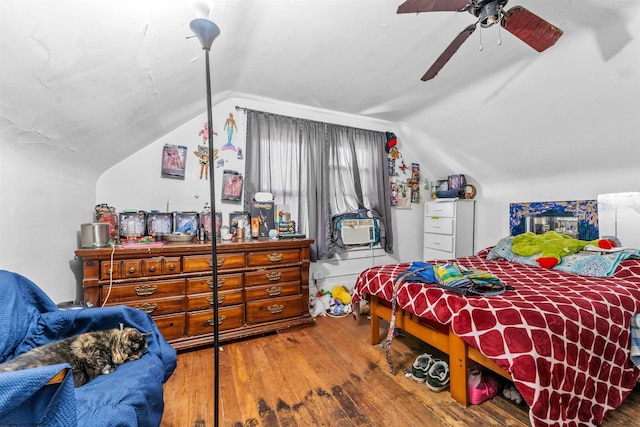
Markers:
point(207, 31)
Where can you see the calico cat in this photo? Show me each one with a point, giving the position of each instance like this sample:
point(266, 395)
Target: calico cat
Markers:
point(89, 354)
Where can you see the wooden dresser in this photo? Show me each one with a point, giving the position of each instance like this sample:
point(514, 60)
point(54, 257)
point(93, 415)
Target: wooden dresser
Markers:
point(263, 286)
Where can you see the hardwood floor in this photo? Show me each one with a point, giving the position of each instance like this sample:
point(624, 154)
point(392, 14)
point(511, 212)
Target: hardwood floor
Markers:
point(328, 375)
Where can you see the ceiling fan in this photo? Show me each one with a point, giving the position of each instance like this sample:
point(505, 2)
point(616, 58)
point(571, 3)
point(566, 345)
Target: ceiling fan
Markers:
point(528, 27)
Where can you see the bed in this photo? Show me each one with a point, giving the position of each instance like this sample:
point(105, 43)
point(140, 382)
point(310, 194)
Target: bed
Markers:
point(562, 338)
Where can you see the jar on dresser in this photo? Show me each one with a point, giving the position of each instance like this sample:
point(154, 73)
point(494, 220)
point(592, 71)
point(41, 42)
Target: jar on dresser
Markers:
point(263, 286)
point(449, 229)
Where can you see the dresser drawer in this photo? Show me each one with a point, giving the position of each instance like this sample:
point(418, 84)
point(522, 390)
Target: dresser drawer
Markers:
point(202, 301)
point(171, 265)
point(440, 242)
point(143, 290)
point(110, 269)
point(254, 293)
point(438, 225)
point(198, 285)
point(265, 258)
point(151, 266)
point(272, 276)
point(274, 309)
point(195, 263)
point(201, 322)
point(131, 268)
point(158, 306)
point(436, 255)
point(444, 209)
point(171, 326)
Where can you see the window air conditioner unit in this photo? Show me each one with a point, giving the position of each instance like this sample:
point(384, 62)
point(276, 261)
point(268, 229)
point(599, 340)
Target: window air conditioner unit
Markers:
point(358, 231)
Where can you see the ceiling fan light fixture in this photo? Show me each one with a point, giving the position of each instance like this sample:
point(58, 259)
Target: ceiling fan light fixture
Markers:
point(490, 14)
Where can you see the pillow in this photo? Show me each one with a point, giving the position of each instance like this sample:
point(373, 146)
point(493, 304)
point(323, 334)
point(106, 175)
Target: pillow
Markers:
point(502, 250)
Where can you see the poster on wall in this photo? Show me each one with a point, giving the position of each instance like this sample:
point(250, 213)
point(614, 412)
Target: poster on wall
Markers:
point(173, 161)
point(231, 186)
point(402, 195)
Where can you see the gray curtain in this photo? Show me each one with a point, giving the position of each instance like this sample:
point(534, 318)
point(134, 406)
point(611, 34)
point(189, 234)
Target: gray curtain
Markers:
point(318, 170)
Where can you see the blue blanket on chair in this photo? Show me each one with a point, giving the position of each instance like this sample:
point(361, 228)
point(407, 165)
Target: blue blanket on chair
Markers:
point(131, 396)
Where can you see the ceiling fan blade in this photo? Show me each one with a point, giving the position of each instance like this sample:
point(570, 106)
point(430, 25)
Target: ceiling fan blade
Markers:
point(417, 6)
point(530, 28)
point(448, 53)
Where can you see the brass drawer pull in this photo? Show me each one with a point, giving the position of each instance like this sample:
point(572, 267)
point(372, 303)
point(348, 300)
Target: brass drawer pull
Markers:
point(220, 261)
point(220, 299)
point(275, 257)
point(152, 268)
point(147, 308)
point(274, 276)
point(220, 283)
point(171, 267)
point(274, 291)
point(132, 270)
point(145, 290)
point(275, 309)
point(220, 320)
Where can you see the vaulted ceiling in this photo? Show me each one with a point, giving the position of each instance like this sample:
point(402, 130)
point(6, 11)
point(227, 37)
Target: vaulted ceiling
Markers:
point(91, 82)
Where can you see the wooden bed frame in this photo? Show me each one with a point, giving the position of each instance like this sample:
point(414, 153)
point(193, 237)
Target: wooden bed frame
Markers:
point(459, 352)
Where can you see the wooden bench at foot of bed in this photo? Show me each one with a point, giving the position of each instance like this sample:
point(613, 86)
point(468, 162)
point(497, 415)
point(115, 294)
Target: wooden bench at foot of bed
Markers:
point(459, 352)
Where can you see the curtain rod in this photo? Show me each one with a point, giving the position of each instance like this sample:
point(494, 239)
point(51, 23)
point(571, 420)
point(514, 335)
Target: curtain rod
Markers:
point(300, 118)
point(274, 114)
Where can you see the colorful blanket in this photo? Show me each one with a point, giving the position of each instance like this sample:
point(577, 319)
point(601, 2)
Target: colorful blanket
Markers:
point(565, 339)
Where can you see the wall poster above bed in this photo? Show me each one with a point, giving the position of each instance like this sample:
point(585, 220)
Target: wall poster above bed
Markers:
point(578, 218)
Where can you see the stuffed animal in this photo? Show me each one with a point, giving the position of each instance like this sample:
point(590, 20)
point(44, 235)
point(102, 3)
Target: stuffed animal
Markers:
point(321, 304)
point(511, 392)
point(553, 246)
point(341, 292)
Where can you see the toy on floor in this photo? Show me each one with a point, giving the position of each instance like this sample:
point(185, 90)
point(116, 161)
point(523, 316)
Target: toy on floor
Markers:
point(320, 304)
point(341, 293)
point(334, 303)
point(553, 246)
point(511, 392)
point(360, 308)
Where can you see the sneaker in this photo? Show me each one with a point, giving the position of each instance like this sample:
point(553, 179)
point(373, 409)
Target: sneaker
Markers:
point(438, 376)
point(480, 387)
point(421, 367)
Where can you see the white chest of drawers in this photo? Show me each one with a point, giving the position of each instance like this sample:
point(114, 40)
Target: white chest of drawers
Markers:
point(448, 229)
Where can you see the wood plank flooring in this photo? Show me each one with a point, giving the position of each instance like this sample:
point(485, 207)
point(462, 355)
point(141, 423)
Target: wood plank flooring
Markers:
point(328, 375)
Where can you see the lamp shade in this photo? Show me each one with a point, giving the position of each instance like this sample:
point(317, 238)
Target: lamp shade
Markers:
point(205, 30)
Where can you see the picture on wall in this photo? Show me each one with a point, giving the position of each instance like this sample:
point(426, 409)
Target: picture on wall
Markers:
point(231, 186)
point(403, 195)
point(173, 161)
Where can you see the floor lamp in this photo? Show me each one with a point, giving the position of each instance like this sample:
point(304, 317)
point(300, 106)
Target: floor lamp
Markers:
point(207, 31)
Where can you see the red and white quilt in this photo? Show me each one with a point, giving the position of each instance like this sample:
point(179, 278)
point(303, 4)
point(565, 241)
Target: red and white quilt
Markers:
point(565, 339)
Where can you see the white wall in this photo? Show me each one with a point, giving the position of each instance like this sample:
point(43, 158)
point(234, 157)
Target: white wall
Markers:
point(43, 203)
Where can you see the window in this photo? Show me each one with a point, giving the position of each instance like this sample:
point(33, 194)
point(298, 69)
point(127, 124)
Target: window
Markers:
point(318, 170)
